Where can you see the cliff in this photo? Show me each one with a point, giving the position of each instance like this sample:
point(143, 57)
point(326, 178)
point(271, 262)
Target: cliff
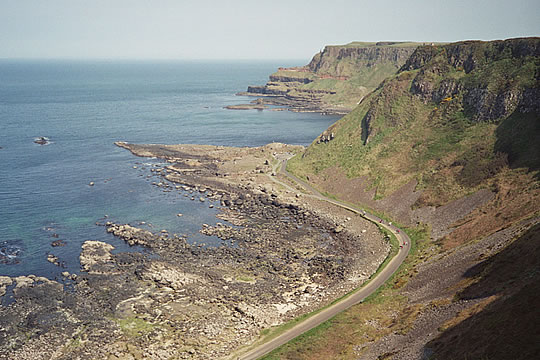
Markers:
point(448, 145)
point(491, 79)
point(443, 100)
point(336, 79)
point(347, 61)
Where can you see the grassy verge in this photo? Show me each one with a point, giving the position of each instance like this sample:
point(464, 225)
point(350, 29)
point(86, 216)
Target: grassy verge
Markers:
point(342, 336)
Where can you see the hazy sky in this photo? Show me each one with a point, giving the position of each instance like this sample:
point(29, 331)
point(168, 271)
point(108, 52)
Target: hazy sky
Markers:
point(245, 29)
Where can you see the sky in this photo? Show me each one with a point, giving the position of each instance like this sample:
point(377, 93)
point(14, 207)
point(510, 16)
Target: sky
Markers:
point(246, 29)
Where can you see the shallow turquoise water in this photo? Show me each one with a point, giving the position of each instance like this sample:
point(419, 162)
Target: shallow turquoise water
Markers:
point(84, 107)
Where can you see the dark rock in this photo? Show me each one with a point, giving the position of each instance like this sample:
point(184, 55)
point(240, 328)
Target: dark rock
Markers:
point(42, 140)
point(57, 243)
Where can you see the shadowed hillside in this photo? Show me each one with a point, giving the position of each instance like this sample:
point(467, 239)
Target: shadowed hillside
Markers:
point(507, 327)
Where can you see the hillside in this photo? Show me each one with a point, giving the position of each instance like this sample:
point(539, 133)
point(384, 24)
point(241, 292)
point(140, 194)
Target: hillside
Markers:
point(448, 146)
point(336, 79)
point(452, 118)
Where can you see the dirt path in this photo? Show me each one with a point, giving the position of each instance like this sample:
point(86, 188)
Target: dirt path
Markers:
point(349, 301)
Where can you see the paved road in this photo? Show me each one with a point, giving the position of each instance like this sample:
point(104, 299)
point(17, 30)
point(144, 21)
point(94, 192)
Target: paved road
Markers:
point(351, 300)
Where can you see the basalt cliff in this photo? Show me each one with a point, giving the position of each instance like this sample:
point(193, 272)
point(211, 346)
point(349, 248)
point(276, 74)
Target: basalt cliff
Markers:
point(335, 80)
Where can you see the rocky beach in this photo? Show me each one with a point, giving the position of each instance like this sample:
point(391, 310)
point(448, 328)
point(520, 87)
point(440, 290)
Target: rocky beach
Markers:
point(281, 254)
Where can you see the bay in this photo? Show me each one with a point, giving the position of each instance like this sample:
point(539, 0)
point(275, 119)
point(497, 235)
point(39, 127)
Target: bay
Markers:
point(83, 107)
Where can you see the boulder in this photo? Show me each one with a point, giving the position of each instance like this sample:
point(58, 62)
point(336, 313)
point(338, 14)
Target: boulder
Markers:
point(94, 255)
point(5, 281)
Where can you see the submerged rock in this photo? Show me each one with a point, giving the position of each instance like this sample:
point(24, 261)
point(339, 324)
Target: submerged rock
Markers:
point(53, 259)
point(57, 243)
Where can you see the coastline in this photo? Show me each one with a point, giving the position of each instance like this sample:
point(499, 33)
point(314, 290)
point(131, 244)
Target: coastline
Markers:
point(201, 299)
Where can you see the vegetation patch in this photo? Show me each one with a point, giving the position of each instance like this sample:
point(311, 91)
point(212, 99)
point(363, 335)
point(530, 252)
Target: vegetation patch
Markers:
point(134, 327)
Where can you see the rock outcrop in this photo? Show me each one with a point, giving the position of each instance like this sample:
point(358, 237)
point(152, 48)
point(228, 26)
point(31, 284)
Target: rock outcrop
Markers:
point(96, 257)
point(130, 234)
point(5, 281)
point(463, 71)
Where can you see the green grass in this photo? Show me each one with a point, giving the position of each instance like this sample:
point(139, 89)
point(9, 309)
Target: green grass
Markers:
point(348, 151)
point(295, 74)
point(134, 327)
point(309, 336)
point(441, 145)
point(75, 342)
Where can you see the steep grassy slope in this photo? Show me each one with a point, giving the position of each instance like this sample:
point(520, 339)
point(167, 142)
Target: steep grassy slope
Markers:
point(451, 118)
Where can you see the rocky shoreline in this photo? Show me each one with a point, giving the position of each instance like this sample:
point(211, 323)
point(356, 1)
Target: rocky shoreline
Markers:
point(282, 255)
point(293, 99)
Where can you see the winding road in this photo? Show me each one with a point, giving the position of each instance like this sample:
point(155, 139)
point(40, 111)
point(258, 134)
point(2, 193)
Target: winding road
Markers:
point(355, 298)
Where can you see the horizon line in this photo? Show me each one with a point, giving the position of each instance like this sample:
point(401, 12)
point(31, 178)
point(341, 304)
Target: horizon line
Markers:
point(146, 59)
point(208, 59)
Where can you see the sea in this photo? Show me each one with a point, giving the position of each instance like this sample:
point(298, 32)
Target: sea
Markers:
point(81, 108)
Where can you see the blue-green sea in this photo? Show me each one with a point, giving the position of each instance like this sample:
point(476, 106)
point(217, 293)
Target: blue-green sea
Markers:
point(83, 107)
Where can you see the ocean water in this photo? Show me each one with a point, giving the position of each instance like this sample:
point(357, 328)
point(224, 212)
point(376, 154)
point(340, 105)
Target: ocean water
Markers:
point(83, 107)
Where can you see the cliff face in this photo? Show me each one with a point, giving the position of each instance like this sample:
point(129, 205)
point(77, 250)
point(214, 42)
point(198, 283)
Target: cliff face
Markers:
point(330, 60)
point(336, 79)
point(470, 55)
point(491, 79)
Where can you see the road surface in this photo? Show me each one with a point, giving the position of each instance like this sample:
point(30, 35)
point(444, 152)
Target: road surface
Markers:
point(349, 301)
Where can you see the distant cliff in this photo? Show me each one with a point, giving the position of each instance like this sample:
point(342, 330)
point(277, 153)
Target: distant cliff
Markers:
point(336, 79)
point(349, 60)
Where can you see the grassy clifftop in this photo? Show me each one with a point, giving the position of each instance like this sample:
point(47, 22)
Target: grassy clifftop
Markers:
point(390, 44)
